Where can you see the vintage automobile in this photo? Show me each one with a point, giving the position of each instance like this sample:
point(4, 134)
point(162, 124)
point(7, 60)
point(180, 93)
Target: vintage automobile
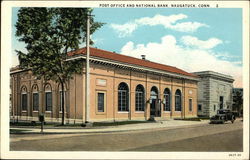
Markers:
point(222, 116)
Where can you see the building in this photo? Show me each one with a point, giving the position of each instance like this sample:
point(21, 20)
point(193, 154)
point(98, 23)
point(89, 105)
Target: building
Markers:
point(214, 92)
point(121, 88)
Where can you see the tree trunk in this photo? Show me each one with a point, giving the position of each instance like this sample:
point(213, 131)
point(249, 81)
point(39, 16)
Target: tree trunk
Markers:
point(62, 103)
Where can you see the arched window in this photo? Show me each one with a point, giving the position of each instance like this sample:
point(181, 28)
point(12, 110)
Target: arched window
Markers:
point(35, 97)
point(24, 99)
point(123, 97)
point(48, 97)
point(139, 98)
point(154, 92)
point(178, 100)
point(166, 100)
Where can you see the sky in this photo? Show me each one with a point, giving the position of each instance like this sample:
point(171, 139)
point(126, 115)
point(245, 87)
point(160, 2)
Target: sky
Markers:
point(190, 39)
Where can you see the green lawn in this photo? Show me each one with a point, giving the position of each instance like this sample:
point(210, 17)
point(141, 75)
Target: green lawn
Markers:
point(118, 123)
point(57, 125)
point(192, 119)
point(17, 131)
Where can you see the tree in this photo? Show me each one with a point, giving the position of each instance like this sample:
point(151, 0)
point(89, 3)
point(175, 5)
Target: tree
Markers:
point(49, 33)
point(238, 101)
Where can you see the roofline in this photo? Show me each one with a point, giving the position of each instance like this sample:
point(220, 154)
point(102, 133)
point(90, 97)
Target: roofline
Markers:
point(94, 58)
point(82, 51)
point(215, 75)
point(17, 70)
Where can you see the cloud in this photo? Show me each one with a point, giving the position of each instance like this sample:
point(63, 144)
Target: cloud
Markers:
point(190, 59)
point(168, 22)
point(195, 42)
point(124, 30)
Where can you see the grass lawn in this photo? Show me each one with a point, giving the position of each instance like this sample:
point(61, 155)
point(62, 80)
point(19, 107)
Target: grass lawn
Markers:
point(17, 131)
point(57, 125)
point(118, 123)
point(192, 119)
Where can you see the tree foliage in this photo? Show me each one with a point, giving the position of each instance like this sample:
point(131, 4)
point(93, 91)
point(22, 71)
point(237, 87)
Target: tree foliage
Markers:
point(49, 33)
point(238, 101)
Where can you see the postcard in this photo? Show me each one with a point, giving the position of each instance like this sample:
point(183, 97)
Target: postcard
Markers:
point(125, 80)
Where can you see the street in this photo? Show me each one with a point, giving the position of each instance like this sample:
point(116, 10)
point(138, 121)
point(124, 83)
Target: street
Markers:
point(206, 137)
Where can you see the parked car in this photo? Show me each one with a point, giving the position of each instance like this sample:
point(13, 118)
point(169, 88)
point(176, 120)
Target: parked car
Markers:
point(222, 116)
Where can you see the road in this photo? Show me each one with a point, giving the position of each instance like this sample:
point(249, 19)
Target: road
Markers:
point(208, 137)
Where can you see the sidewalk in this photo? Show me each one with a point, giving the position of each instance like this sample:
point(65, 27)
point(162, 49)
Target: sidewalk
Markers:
point(168, 124)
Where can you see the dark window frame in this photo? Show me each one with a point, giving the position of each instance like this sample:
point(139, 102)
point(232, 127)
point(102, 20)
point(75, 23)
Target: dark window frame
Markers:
point(221, 102)
point(167, 100)
point(24, 101)
point(100, 106)
point(199, 107)
point(48, 104)
point(178, 100)
point(190, 105)
point(35, 99)
point(123, 97)
point(139, 98)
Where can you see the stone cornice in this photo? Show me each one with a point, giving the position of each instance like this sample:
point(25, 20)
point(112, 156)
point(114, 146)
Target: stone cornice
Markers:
point(215, 75)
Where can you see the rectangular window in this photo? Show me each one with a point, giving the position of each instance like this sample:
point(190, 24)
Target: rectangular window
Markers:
point(100, 101)
point(24, 102)
point(48, 101)
point(35, 101)
point(190, 105)
point(199, 107)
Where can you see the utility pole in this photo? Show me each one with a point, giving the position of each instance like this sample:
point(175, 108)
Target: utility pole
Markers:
point(87, 77)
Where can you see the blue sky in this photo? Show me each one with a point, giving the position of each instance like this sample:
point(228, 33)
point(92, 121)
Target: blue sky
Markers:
point(224, 24)
point(190, 39)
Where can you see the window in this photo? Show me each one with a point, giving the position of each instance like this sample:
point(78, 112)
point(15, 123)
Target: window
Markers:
point(178, 100)
point(24, 101)
point(199, 107)
point(214, 107)
point(48, 102)
point(123, 97)
point(139, 98)
point(166, 100)
point(190, 105)
point(35, 97)
point(221, 102)
point(35, 101)
point(60, 107)
point(100, 103)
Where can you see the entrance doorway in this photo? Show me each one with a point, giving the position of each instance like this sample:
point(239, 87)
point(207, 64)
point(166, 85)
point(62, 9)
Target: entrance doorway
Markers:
point(155, 107)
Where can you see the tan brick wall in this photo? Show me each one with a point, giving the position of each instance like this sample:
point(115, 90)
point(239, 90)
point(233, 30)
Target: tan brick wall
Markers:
point(106, 79)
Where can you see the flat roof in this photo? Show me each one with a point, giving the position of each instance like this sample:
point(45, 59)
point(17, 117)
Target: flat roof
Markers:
point(215, 75)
